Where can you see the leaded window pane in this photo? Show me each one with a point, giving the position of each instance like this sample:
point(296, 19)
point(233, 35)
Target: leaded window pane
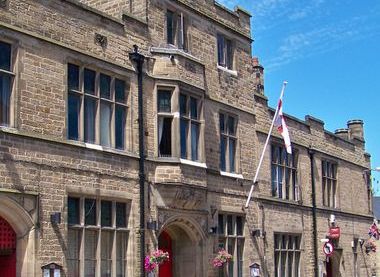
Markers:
point(74, 102)
point(89, 119)
point(164, 101)
point(105, 86)
point(73, 248)
point(194, 141)
point(232, 150)
point(73, 208)
point(106, 213)
point(193, 108)
point(73, 77)
point(165, 133)
point(106, 253)
point(91, 238)
point(5, 98)
point(239, 226)
point(90, 212)
point(120, 91)
point(121, 254)
point(230, 229)
point(120, 121)
point(170, 27)
point(5, 56)
point(89, 81)
point(223, 153)
point(121, 215)
point(220, 224)
point(183, 129)
point(183, 104)
point(105, 123)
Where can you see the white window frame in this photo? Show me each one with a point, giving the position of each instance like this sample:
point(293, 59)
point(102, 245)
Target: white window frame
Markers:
point(287, 252)
point(228, 136)
point(329, 183)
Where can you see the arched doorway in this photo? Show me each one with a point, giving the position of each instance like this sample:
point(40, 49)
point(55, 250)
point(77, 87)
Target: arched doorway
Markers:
point(183, 239)
point(165, 244)
point(7, 249)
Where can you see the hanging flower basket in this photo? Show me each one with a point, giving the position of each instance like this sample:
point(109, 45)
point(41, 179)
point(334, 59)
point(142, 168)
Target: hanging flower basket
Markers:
point(370, 247)
point(222, 258)
point(154, 259)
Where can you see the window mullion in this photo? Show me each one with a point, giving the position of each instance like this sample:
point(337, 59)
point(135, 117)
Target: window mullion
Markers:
point(81, 112)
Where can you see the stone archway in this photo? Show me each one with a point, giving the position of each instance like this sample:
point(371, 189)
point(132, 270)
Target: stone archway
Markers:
point(23, 225)
point(187, 247)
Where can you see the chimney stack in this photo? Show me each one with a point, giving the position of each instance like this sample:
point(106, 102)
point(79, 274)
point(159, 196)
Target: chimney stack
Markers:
point(355, 129)
point(342, 133)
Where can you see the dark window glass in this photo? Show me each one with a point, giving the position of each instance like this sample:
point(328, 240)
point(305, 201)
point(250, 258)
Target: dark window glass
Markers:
point(165, 138)
point(220, 42)
point(239, 226)
point(231, 125)
point(89, 119)
point(194, 141)
point(229, 55)
point(120, 118)
point(120, 91)
point(90, 211)
point(89, 81)
point(222, 153)
point(232, 149)
point(220, 224)
point(73, 77)
point(106, 213)
point(73, 116)
point(5, 56)
point(105, 86)
point(184, 127)
point(164, 101)
point(121, 215)
point(181, 32)
point(183, 104)
point(170, 27)
point(221, 123)
point(193, 108)
point(73, 210)
point(5, 99)
point(230, 230)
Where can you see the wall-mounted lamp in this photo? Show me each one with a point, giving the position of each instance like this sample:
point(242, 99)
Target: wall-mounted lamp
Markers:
point(55, 218)
point(151, 225)
point(212, 230)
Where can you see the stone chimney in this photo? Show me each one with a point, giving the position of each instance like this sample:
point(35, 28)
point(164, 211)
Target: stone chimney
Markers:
point(258, 75)
point(342, 133)
point(355, 129)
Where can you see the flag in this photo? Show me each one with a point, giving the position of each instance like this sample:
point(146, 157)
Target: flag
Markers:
point(374, 231)
point(279, 122)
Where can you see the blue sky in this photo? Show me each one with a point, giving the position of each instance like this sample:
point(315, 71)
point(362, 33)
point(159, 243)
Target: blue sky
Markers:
point(329, 52)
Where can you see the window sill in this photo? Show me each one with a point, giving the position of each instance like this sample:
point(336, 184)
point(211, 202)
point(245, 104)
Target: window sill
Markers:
point(175, 51)
point(232, 175)
point(193, 163)
point(229, 71)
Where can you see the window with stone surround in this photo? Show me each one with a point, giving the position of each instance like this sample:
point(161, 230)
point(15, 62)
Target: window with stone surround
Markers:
point(97, 237)
point(228, 142)
point(176, 31)
point(287, 255)
point(97, 107)
point(225, 52)
point(179, 124)
point(329, 183)
point(284, 173)
point(231, 238)
point(6, 83)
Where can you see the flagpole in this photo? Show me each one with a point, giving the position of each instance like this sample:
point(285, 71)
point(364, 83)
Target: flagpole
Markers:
point(265, 146)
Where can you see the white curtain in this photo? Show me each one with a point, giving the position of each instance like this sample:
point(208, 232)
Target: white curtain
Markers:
point(160, 129)
point(105, 124)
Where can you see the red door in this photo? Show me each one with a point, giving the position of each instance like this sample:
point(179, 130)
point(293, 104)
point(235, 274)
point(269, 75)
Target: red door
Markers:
point(165, 244)
point(7, 249)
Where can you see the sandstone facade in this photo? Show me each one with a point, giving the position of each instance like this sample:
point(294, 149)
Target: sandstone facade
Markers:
point(194, 197)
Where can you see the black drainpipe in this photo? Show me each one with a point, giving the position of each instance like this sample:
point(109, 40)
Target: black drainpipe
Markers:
point(314, 211)
point(138, 60)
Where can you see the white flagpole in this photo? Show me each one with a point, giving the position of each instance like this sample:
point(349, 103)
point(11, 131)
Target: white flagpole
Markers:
point(265, 146)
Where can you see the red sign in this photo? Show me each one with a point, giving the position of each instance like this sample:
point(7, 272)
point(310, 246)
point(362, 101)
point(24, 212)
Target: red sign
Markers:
point(334, 233)
point(328, 249)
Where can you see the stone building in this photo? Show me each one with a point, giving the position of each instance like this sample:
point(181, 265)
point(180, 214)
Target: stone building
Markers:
point(69, 148)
